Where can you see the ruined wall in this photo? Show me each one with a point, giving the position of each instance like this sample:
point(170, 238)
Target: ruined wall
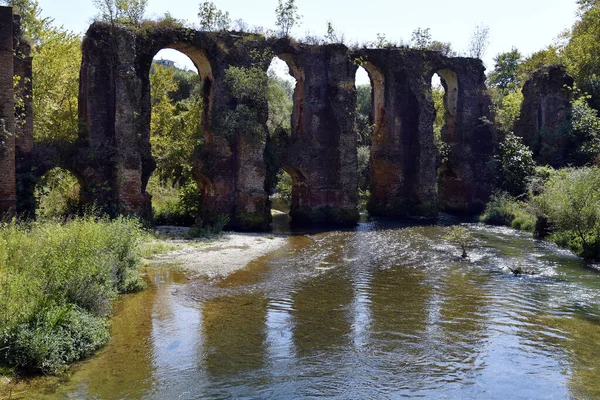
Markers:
point(8, 190)
point(404, 156)
point(321, 155)
point(545, 115)
point(113, 159)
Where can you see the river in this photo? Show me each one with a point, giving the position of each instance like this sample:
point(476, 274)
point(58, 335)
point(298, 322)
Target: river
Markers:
point(381, 311)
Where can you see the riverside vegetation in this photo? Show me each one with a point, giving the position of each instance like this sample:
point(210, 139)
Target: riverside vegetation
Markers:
point(58, 279)
point(57, 283)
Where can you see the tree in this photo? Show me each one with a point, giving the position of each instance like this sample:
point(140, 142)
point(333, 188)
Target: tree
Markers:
point(422, 40)
point(175, 127)
point(551, 55)
point(504, 75)
point(514, 165)
point(56, 64)
point(129, 12)
point(583, 50)
point(287, 17)
point(479, 41)
point(331, 36)
point(212, 19)
point(32, 24)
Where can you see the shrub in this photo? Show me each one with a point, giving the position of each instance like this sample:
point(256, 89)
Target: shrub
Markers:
point(57, 283)
point(571, 202)
point(503, 209)
point(52, 339)
point(514, 165)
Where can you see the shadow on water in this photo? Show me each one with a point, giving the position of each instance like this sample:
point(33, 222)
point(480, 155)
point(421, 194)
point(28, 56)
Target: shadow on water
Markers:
point(383, 310)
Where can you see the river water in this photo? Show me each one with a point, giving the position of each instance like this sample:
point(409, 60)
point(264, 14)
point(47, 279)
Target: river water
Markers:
point(381, 311)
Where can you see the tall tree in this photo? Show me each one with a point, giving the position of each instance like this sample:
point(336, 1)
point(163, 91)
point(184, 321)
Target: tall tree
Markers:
point(212, 19)
point(583, 50)
point(505, 70)
point(130, 12)
point(479, 41)
point(287, 16)
point(32, 23)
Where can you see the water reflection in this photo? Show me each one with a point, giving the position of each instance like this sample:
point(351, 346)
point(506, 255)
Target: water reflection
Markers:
point(380, 312)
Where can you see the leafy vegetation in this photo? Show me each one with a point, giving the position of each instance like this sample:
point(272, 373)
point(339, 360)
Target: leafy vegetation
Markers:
point(57, 285)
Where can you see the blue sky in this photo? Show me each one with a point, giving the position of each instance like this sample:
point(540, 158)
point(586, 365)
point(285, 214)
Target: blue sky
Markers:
point(528, 25)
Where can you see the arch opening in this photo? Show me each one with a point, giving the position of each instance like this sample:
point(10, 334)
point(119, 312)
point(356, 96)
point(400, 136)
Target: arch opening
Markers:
point(58, 194)
point(282, 183)
point(179, 94)
point(365, 123)
point(370, 117)
point(445, 99)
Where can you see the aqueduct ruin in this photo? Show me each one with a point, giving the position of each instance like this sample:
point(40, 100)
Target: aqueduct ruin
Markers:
point(112, 157)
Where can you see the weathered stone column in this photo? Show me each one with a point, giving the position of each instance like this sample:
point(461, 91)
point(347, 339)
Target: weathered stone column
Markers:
point(23, 70)
point(321, 155)
point(545, 116)
point(403, 153)
point(8, 189)
point(465, 180)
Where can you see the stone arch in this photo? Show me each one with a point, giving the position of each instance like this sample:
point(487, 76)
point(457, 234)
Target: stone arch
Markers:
point(200, 59)
point(298, 97)
point(377, 98)
point(44, 171)
point(301, 193)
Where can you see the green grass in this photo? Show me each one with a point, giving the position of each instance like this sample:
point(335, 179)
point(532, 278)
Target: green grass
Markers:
point(57, 284)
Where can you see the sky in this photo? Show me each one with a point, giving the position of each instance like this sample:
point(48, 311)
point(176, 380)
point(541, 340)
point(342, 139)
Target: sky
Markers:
point(528, 25)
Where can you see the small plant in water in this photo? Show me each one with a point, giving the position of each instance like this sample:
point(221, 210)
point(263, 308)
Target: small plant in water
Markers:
point(461, 237)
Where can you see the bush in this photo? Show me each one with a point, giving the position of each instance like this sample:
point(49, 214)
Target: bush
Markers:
point(514, 165)
point(57, 284)
point(175, 206)
point(53, 338)
point(571, 202)
point(503, 209)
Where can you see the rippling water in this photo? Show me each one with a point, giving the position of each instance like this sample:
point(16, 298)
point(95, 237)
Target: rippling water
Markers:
point(382, 311)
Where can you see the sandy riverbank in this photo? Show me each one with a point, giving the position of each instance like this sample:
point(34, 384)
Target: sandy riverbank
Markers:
point(220, 256)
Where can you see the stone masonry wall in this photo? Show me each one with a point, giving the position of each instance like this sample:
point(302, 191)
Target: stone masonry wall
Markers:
point(8, 190)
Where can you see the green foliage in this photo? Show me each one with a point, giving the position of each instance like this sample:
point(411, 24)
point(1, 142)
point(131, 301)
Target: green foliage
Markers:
point(175, 205)
point(280, 102)
point(175, 127)
point(56, 64)
point(508, 109)
point(363, 158)
point(571, 201)
point(437, 95)
point(583, 50)
point(461, 237)
point(364, 127)
point(284, 187)
point(504, 75)
point(514, 164)
point(551, 55)
point(287, 17)
point(421, 40)
point(57, 282)
point(212, 19)
point(128, 12)
point(32, 23)
point(53, 339)
point(253, 92)
point(57, 194)
point(503, 209)
point(586, 129)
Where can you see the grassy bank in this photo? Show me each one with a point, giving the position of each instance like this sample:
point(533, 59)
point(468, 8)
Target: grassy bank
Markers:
point(57, 284)
point(562, 206)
